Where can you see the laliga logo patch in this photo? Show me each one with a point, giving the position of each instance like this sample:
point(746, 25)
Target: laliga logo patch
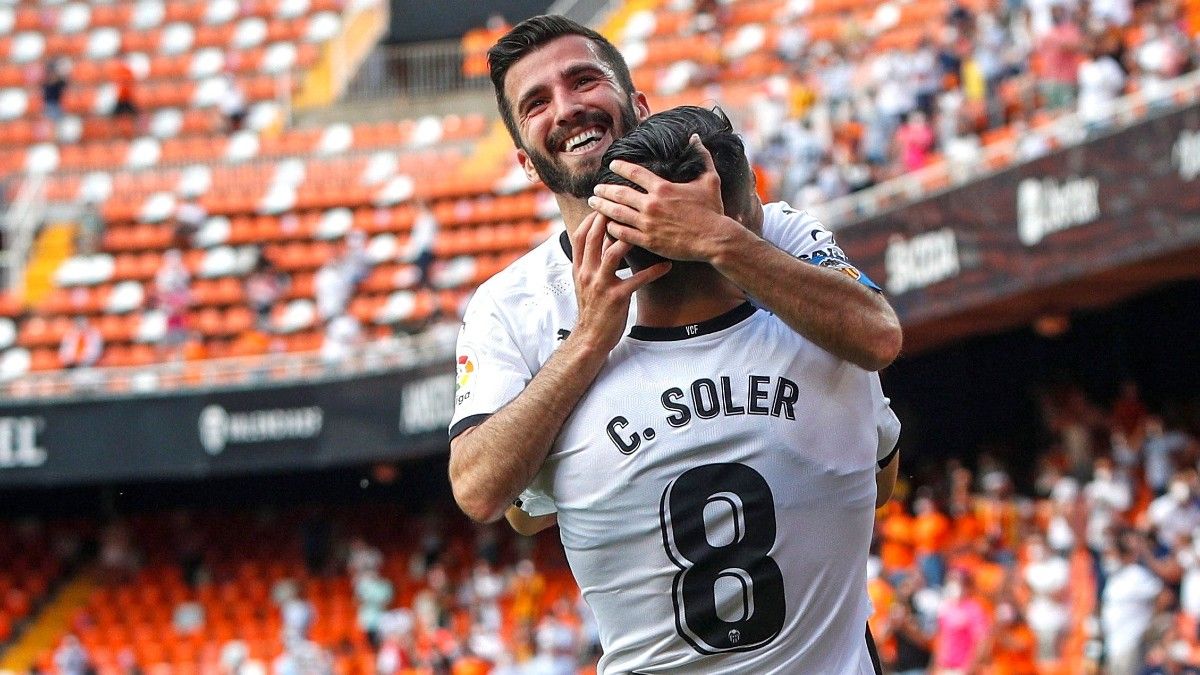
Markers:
point(465, 375)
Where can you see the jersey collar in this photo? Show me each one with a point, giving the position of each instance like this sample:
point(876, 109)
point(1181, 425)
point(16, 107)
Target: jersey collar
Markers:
point(717, 323)
point(564, 240)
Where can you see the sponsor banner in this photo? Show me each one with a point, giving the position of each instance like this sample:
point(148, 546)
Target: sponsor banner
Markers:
point(1118, 200)
point(193, 435)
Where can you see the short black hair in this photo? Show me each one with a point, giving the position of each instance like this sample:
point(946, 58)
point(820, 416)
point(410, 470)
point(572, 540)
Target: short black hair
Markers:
point(529, 36)
point(661, 143)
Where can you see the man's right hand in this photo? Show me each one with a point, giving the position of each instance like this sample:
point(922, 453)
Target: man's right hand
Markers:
point(603, 297)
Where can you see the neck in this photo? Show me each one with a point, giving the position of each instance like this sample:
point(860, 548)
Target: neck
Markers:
point(690, 293)
point(573, 210)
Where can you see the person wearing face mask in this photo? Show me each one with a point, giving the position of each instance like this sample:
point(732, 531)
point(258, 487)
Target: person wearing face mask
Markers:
point(962, 627)
point(1127, 605)
point(1176, 513)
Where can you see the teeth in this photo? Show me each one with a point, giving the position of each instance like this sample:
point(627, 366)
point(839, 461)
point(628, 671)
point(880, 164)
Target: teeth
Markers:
point(577, 140)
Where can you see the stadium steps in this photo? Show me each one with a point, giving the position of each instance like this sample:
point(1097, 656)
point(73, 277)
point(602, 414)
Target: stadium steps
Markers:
point(44, 631)
point(54, 244)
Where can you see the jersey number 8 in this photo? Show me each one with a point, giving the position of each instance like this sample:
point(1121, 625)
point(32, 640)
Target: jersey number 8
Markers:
point(718, 526)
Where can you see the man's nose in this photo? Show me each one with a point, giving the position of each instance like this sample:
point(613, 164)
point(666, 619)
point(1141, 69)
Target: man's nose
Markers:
point(567, 107)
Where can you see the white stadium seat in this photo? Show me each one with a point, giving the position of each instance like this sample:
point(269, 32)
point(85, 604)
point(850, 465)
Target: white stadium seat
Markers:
point(334, 224)
point(144, 152)
point(152, 327)
point(41, 158)
point(74, 17)
point(103, 43)
point(14, 102)
point(214, 232)
point(177, 38)
point(85, 270)
point(157, 208)
point(148, 14)
point(336, 139)
point(125, 297)
point(297, 315)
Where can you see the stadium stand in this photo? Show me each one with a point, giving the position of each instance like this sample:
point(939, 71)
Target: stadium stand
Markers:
point(820, 92)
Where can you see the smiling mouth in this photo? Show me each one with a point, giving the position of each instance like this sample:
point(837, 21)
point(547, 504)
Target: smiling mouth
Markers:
point(583, 141)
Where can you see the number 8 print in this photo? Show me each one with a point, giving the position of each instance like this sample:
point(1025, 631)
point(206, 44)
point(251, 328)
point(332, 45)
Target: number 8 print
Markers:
point(738, 503)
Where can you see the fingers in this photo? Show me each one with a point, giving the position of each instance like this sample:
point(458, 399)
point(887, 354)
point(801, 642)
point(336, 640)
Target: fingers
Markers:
point(593, 242)
point(614, 253)
point(626, 234)
point(614, 211)
point(639, 175)
point(652, 273)
point(709, 166)
point(622, 194)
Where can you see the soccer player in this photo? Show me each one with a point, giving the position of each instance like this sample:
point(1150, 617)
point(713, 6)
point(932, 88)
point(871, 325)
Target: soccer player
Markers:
point(715, 488)
point(535, 336)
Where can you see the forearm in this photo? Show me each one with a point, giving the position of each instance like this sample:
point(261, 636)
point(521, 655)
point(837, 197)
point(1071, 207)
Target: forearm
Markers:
point(829, 308)
point(493, 462)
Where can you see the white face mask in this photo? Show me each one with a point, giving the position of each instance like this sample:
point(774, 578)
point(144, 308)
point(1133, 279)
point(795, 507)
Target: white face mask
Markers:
point(1111, 564)
point(953, 590)
point(1180, 492)
point(1179, 651)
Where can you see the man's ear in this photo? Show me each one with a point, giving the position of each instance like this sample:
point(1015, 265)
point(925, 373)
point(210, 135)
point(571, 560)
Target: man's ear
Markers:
point(641, 106)
point(526, 164)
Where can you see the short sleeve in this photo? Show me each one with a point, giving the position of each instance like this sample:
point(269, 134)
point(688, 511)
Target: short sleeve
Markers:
point(533, 502)
point(803, 236)
point(887, 425)
point(490, 369)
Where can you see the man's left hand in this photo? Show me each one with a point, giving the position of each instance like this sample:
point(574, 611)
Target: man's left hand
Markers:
point(679, 221)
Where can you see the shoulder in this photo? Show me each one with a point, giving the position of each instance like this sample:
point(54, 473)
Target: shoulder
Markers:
point(794, 230)
point(782, 214)
point(541, 268)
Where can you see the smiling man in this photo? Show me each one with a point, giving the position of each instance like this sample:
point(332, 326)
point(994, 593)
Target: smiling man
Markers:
point(536, 335)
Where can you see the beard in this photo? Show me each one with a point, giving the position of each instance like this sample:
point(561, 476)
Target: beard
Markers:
point(556, 176)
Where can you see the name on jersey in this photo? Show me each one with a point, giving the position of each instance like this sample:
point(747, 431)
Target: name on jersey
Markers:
point(705, 399)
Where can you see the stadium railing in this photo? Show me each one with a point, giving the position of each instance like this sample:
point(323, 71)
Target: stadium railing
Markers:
point(394, 354)
point(392, 71)
point(1067, 130)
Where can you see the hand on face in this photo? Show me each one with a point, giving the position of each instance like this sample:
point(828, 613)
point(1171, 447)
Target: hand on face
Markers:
point(679, 221)
point(603, 297)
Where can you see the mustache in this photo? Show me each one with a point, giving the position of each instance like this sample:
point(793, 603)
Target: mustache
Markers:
point(589, 119)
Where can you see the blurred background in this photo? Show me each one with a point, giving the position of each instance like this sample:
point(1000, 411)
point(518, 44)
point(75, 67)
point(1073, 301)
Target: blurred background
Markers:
point(237, 237)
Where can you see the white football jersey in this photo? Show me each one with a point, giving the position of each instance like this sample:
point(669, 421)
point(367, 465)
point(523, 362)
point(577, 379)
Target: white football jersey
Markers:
point(715, 491)
point(516, 319)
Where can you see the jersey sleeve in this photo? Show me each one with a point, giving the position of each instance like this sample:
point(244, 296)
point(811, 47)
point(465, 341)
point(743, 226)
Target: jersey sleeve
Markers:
point(490, 368)
point(803, 236)
point(886, 424)
point(533, 502)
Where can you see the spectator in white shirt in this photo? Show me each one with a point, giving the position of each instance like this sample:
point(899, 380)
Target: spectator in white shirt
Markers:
point(1176, 513)
point(343, 334)
point(1127, 605)
point(1101, 82)
point(1107, 496)
point(1046, 574)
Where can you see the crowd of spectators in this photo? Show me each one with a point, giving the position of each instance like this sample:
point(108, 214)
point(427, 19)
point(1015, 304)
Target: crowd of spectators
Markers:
point(1096, 568)
point(849, 115)
point(1089, 563)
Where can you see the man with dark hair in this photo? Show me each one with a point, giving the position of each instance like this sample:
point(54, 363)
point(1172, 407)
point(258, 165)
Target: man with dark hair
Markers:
point(715, 487)
point(536, 334)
